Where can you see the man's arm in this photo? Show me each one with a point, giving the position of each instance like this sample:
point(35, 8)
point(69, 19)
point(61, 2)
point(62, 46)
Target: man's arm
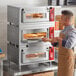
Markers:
point(70, 43)
point(62, 35)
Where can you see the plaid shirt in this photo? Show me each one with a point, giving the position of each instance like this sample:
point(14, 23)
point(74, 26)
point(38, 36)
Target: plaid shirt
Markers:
point(70, 37)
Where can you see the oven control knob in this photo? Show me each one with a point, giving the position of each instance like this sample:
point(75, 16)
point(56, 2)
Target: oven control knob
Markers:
point(27, 46)
point(22, 50)
point(47, 49)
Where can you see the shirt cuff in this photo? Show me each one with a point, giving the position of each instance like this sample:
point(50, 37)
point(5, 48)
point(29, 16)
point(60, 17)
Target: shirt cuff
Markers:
point(63, 43)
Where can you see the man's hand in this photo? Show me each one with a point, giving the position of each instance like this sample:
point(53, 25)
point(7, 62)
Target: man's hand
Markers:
point(56, 39)
point(45, 39)
point(50, 40)
point(62, 35)
point(60, 41)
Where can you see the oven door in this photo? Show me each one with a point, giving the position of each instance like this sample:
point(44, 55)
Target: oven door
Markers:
point(35, 14)
point(34, 52)
point(33, 35)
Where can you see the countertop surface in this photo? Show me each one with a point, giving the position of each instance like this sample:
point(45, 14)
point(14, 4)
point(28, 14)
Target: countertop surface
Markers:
point(14, 71)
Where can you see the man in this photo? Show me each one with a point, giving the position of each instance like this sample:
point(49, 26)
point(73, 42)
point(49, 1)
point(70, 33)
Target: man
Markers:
point(67, 41)
point(68, 35)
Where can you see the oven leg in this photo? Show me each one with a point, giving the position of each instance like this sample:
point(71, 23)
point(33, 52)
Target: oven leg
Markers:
point(50, 64)
point(20, 67)
point(9, 64)
point(1, 68)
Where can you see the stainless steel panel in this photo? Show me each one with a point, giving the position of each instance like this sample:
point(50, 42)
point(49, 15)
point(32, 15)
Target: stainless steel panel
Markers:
point(13, 54)
point(13, 34)
point(13, 15)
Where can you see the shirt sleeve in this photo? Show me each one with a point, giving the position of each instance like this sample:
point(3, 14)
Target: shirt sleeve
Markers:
point(63, 43)
point(63, 31)
point(71, 42)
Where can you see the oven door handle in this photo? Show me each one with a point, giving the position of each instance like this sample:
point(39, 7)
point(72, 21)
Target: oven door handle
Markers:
point(34, 41)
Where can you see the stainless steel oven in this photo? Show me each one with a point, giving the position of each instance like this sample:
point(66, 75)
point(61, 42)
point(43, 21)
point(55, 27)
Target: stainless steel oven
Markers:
point(32, 47)
point(37, 14)
point(26, 28)
point(34, 53)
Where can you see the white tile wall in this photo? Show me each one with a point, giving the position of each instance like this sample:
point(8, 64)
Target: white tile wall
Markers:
point(3, 27)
